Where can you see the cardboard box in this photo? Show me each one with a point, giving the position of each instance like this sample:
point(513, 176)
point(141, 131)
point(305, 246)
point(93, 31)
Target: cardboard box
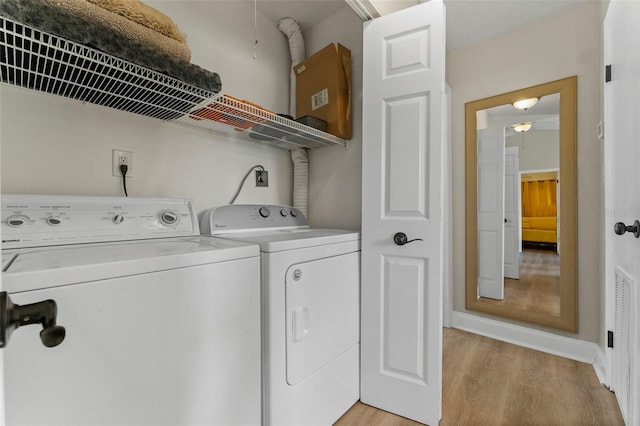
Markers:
point(323, 88)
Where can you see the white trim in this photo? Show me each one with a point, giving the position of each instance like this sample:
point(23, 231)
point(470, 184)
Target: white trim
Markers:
point(364, 9)
point(567, 347)
point(600, 366)
point(447, 256)
point(609, 275)
point(534, 171)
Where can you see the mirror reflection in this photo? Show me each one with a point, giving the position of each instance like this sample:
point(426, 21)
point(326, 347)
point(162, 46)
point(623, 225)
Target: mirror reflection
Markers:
point(521, 180)
point(518, 242)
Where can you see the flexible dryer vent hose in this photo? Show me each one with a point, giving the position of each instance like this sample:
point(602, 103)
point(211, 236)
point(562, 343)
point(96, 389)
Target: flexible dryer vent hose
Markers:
point(291, 29)
point(300, 179)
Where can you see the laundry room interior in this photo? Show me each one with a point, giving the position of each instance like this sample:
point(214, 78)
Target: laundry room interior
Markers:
point(174, 161)
point(56, 145)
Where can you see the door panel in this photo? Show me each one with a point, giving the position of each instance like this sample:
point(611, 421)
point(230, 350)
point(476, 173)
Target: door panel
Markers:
point(511, 213)
point(491, 213)
point(406, 184)
point(407, 52)
point(401, 311)
point(404, 306)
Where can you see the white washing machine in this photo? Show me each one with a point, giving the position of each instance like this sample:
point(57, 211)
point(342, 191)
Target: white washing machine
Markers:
point(310, 310)
point(155, 324)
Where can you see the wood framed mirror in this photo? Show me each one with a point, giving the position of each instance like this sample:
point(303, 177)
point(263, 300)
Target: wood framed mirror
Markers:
point(545, 289)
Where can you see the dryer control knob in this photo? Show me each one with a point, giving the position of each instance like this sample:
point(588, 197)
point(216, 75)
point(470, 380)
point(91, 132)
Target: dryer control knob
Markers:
point(118, 219)
point(16, 221)
point(53, 221)
point(169, 218)
point(294, 213)
point(284, 212)
point(264, 212)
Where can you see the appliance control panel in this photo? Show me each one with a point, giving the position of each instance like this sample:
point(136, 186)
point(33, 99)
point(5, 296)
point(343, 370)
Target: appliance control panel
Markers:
point(45, 220)
point(251, 217)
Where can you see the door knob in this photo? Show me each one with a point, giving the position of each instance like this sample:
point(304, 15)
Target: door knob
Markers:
point(400, 238)
point(13, 316)
point(620, 228)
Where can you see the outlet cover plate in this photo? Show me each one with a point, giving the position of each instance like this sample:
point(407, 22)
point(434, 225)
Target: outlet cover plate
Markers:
point(262, 178)
point(122, 157)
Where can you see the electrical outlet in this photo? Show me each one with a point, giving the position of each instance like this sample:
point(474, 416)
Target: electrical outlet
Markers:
point(262, 178)
point(122, 157)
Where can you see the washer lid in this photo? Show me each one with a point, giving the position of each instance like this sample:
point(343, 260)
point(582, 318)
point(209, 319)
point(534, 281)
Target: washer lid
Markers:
point(30, 269)
point(291, 239)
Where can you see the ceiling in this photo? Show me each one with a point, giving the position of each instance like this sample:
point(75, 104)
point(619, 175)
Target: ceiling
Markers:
point(545, 115)
point(468, 21)
point(307, 13)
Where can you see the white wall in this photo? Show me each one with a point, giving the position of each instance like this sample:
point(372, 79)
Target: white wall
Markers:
point(335, 173)
point(567, 43)
point(537, 149)
point(55, 145)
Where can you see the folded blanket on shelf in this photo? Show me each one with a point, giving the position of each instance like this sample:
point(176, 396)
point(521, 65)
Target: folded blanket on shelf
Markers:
point(85, 9)
point(144, 15)
point(44, 16)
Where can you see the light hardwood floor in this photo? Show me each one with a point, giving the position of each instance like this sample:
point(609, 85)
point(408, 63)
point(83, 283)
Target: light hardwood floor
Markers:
point(538, 289)
point(488, 382)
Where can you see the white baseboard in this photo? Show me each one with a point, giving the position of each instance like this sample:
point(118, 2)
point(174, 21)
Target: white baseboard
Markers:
point(600, 366)
point(567, 347)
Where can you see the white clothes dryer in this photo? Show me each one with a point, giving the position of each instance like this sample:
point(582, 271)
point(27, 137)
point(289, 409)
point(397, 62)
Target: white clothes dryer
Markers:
point(310, 311)
point(162, 324)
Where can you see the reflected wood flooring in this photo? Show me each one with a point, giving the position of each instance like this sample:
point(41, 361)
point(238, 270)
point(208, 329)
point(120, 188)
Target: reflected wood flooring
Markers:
point(488, 382)
point(538, 289)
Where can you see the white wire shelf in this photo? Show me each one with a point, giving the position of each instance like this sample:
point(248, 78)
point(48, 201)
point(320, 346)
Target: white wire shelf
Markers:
point(238, 118)
point(43, 62)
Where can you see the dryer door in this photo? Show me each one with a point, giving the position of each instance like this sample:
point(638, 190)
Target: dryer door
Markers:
point(323, 316)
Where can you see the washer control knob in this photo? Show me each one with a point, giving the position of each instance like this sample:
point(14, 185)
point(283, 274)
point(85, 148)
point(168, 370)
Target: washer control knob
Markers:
point(53, 221)
point(294, 213)
point(118, 219)
point(16, 221)
point(284, 212)
point(169, 218)
point(264, 212)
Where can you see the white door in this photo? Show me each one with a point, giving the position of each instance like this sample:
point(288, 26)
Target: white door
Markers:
point(401, 314)
point(622, 195)
point(511, 213)
point(491, 213)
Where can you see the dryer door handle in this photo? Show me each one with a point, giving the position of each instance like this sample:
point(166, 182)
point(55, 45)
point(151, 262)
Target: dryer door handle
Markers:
point(300, 319)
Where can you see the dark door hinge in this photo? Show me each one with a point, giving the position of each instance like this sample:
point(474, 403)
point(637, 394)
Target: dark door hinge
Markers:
point(610, 339)
point(607, 73)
